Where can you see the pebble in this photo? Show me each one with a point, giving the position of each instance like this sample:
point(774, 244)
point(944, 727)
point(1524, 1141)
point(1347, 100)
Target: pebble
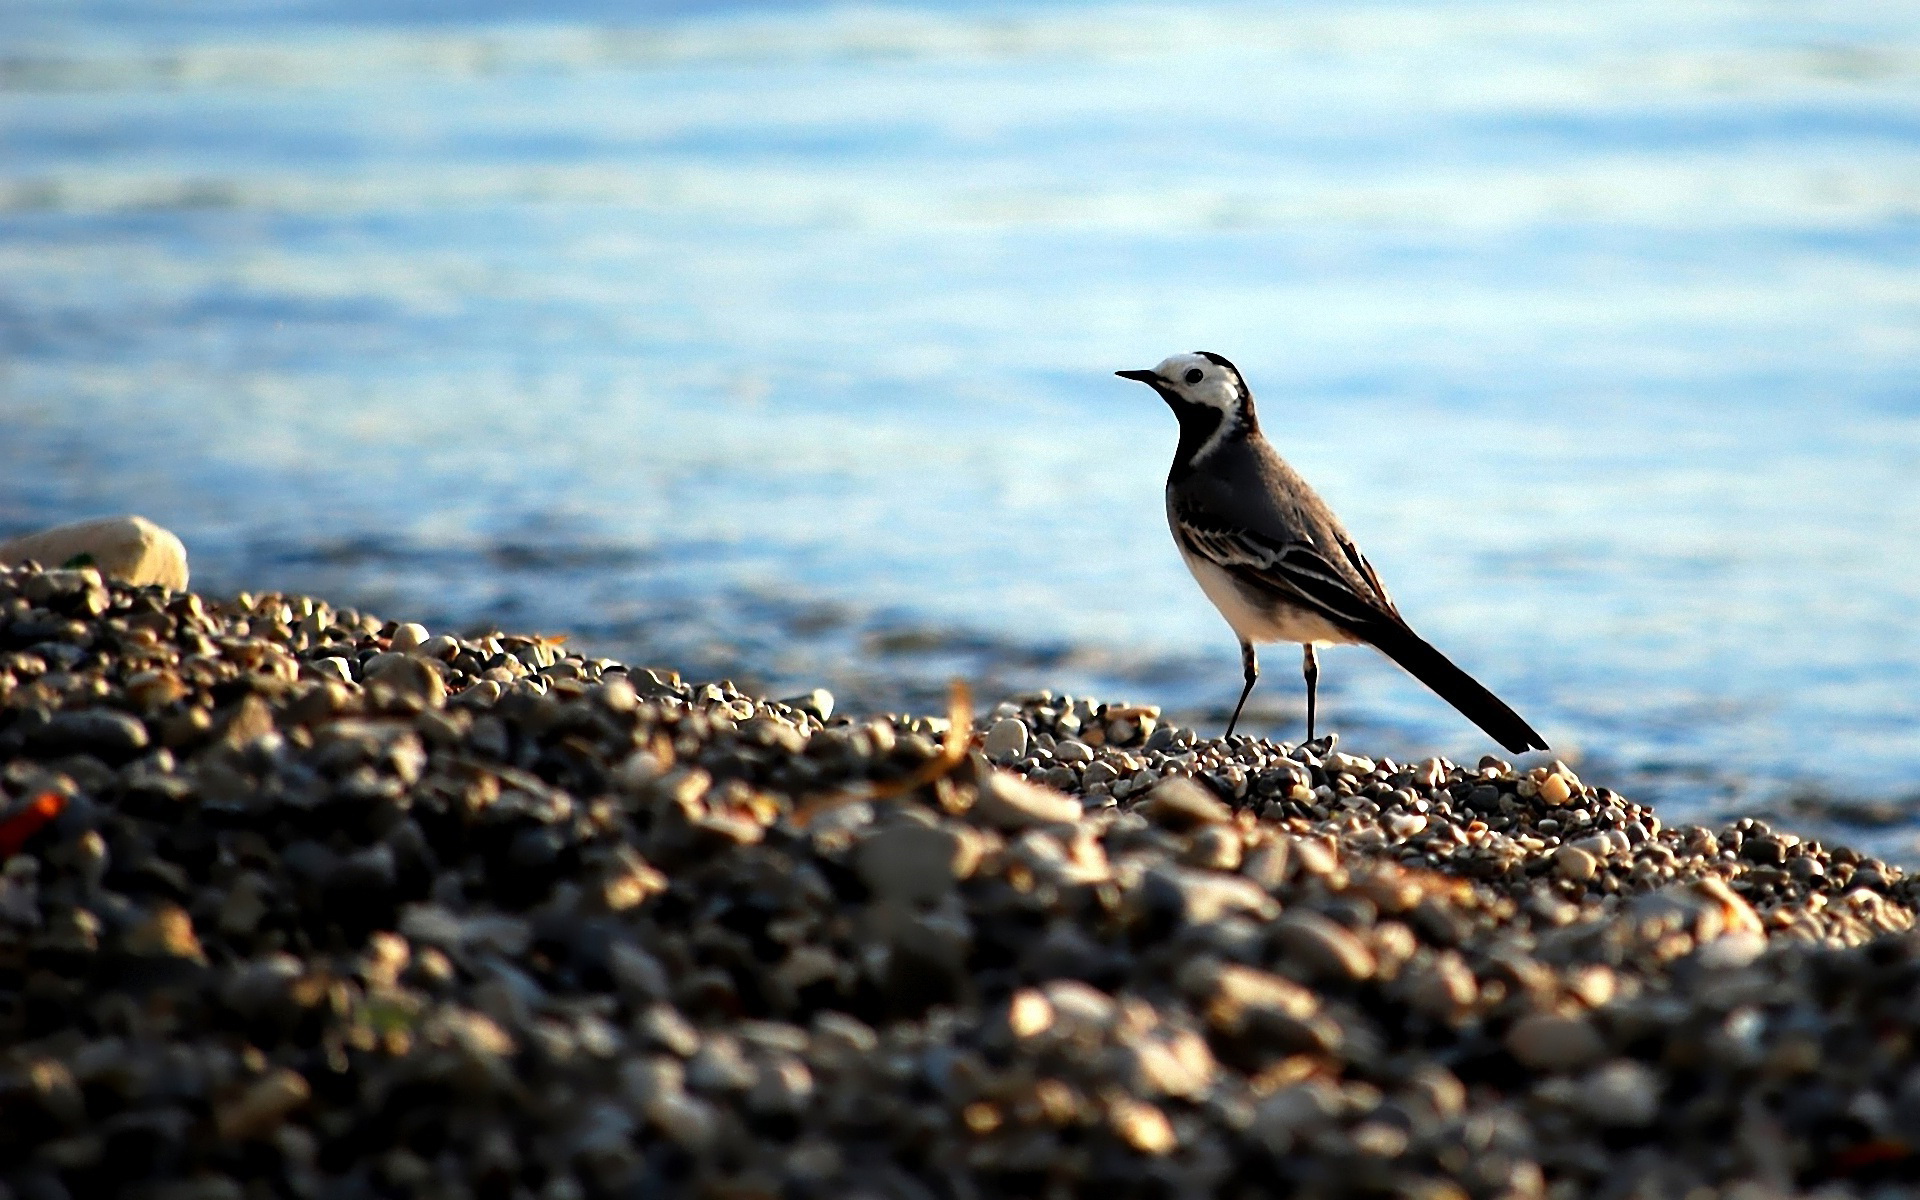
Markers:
point(1072, 752)
point(915, 864)
point(262, 1106)
point(1552, 1042)
point(1575, 864)
point(1554, 790)
point(1142, 1126)
point(1623, 1094)
point(410, 676)
point(1007, 801)
point(1006, 741)
point(1197, 897)
point(1322, 948)
point(98, 731)
point(817, 704)
point(1178, 802)
point(301, 930)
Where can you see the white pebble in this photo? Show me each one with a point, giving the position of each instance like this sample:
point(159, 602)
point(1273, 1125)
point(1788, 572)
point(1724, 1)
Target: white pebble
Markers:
point(1573, 863)
point(1006, 741)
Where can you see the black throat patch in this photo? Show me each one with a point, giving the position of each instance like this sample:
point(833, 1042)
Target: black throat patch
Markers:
point(1198, 424)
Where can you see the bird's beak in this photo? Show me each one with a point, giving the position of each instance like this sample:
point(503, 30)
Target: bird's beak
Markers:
point(1146, 377)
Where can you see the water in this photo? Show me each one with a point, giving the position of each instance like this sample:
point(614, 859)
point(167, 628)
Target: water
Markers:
point(776, 340)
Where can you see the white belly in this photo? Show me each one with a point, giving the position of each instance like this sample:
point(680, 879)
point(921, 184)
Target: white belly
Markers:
point(1277, 622)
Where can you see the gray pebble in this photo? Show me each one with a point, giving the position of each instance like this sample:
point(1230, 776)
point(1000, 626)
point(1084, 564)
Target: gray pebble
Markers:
point(1552, 1042)
point(1323, 948)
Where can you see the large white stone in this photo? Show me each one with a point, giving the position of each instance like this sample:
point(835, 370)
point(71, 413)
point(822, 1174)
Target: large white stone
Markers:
point(130, 549)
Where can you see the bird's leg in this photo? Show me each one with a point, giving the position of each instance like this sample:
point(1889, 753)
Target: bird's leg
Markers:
point(1310, 667)
point(1250, 667)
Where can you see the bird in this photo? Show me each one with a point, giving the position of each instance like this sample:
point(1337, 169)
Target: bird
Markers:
point(1273, 558)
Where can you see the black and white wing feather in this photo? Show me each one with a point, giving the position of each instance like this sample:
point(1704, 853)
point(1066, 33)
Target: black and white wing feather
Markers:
point(1353, 599)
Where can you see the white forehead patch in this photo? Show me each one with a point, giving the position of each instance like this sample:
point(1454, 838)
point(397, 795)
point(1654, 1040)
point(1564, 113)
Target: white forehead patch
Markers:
point(1213, 386)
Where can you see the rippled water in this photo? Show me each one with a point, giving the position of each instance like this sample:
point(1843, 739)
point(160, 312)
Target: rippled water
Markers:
point(776, 340)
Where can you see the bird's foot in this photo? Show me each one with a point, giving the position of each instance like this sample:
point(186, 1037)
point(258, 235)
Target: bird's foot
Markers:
point(1321, 746)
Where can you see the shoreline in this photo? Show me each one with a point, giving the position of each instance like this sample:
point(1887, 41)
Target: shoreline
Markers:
point(332, 903)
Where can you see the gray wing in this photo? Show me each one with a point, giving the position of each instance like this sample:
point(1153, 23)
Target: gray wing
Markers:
point(1254, 516)
point(1294, 570)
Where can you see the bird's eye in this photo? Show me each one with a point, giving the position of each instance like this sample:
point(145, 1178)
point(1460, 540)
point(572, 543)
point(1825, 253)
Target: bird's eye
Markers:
point(1195, 375)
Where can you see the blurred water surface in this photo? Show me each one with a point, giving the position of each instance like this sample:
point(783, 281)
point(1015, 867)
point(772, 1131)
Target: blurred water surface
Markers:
point(776, 339)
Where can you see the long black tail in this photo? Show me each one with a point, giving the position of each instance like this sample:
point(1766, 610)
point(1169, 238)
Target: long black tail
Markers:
point(1453, 685)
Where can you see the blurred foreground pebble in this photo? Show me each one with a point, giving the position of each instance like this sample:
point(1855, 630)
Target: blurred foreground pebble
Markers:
point(306, 903)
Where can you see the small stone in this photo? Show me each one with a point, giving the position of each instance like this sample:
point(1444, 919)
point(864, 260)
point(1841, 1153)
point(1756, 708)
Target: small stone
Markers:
point(410, 676)
point(1598, 845)
point(689, 1121)
point(1006, 741)
point(327, 670)
point(154, 690)
point(1179, 803)
point(1238, 998)
point(260, 1109)
point(251, 718)
point(1574, 864)
point(1406, 825)
point(1315, 857)
point(1215, 847)
point(1554, 790)
point(720, 1066)
point(102, 732)
point(1622, 1094)
point(915, 864)
point(664, 1026)
point(817, 703)
point(1326, 949)
point(1072, 752)
point(1736, 915)
point(1198, 897)
point(1378, 1139)
point(1171, 1063)
point(1029, 1014)
point(1550, 1042)
point(408, 637)
point(782, 1085)
point(1267, 865)
point(168, 933)
point(1142, 1126)
point(1007, 801)
point(244, 907)
point(1296, 1109)
point(1732, 951)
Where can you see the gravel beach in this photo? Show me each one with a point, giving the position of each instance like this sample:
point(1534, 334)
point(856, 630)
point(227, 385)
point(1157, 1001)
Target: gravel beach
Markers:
point(299, 902)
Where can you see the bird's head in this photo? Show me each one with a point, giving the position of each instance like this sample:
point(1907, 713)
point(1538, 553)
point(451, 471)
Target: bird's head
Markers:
point(1206, 393)
point(1202, 378)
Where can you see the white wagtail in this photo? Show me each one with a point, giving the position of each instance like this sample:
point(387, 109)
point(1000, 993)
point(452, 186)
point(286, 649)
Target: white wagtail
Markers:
point(1272, 556)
